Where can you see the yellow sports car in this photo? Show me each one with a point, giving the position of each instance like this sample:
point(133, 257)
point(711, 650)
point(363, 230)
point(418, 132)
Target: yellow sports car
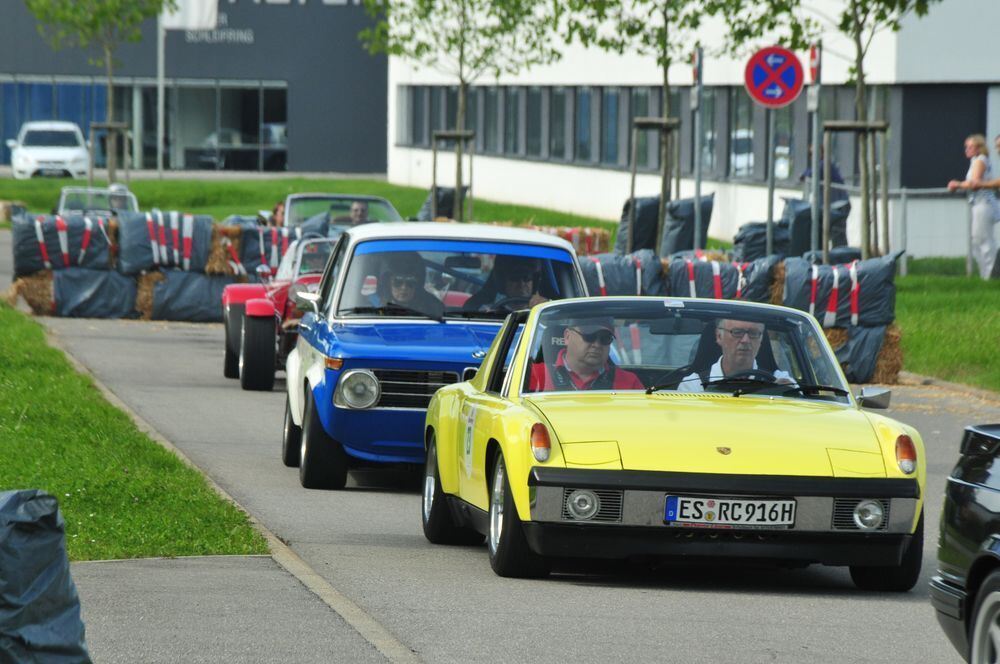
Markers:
point(620, 427)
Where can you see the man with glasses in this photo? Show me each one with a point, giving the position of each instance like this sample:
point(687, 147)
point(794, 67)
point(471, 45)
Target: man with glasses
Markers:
point(739, 340)
point(513, 284)
point(403, 283)
point(584, 363)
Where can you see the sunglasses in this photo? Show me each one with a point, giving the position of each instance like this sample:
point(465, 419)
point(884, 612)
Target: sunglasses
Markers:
point(520, 277)
point(603, 337)
point(739, 333)
point(400, 282)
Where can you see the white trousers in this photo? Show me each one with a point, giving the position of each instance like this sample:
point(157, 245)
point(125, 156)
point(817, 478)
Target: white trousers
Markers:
point(984, 245)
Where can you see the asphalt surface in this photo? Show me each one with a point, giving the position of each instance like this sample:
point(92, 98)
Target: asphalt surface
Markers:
point(444, 602)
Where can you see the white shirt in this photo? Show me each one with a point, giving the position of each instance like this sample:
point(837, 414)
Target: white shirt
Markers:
point(692, 382)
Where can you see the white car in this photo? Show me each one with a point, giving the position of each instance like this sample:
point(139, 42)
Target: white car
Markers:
point(49, 149)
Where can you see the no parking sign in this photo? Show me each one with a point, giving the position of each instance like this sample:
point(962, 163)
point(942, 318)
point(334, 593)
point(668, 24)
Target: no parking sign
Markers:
point(774, 77)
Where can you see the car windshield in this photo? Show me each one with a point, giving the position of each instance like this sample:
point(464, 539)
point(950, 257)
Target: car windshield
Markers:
point(436, 278)
point(311, 257)
point(337, 210)
point(51, 138)
point(98, 201)
point(669, 345)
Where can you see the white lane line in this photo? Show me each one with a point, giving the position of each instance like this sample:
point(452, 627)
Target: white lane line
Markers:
point(360, 620)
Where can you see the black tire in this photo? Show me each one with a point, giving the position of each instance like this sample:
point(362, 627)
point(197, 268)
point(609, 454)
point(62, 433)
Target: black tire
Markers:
point(985, 617)
point(508, 549)
point(322, 461)
point(232, 320)
point(439, 526)
point(257, 353)
point(291, 439)
point(895, 578)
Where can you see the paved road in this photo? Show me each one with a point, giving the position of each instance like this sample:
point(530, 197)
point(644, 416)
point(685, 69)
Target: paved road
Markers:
point(445, 602)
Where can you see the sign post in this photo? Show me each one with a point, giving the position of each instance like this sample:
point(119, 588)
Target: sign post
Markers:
point(773, 78)
point(816, 73)
point(696, 95)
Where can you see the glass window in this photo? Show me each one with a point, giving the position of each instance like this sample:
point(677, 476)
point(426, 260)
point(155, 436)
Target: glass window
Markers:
point(707, 130)
point(582, 124)
point(437, 118)
point(740, 134)
point(511, 121)
point(784, 143)
point(491, 120)
point(639, 108)
point(534, 122)
point(274, 130)
point(418, 121)
point(335, 209)
point(609, 125)
point(557, 123)
point(471, 108)
point(451, 108)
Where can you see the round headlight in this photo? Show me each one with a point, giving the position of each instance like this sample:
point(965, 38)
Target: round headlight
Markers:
point(868, 514)
point(583, 504)
point(358, 389)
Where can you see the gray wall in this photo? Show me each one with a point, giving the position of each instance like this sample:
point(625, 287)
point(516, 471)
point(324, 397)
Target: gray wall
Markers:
point(336, 91)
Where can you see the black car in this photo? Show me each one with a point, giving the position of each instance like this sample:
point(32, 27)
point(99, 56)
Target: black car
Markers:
point(966, 589)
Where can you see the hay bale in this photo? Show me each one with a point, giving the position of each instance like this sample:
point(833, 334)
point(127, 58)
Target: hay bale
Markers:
point(36, 289)
point(778, 284)
point(10, 295)
point(837, 336)
point(144, 293)
point(7, 209)
point(890, 358)
point(218, 255)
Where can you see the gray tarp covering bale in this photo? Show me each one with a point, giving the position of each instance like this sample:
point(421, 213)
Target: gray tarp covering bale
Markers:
point(189, 296)
point(757, 277)
point(697, 278)
point(156, 239)
point(835, 255)
point(868, 299)
point(647, 209)
point(678, 228)
point(267, 244)
point(750, 242)
point(82, 293)
point(859, 355)
point(797, 214)
point(65, 241)
point(445, 203)
point(639, 273)
point(39, 606)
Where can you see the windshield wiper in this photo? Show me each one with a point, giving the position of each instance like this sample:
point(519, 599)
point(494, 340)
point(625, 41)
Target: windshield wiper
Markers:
point(815, 389)
point(744, 385)
point(392, 308)
point(491, 315)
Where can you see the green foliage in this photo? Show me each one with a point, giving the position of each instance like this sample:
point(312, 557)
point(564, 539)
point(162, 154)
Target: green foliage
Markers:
point(121, 494)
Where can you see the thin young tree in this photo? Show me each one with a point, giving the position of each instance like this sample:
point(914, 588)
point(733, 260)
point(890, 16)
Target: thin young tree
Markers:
point(99, 24)
point(464, 39)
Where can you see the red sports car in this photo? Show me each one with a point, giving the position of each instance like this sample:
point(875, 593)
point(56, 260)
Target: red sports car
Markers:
point(261, 321)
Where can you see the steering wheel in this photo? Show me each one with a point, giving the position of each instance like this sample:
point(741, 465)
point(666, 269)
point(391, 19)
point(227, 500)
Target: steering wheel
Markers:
point(672, 375)
point(511, 303)
point(754, 374)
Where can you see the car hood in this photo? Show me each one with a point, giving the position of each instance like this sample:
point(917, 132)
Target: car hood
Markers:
point(713, 433)
point(419, 342)
point(53, 154)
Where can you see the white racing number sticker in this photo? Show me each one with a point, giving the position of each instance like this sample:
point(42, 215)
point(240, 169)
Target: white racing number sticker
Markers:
point(470, 428)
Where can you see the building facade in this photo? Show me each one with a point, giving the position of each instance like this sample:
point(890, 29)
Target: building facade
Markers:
point(278, 85)
point(559, 136)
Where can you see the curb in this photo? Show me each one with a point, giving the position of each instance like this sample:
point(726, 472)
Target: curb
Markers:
point(920, 379)
point(357, 618)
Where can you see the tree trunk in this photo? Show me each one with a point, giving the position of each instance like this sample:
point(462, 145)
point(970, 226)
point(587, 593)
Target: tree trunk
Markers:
point(112, 140)
point(861, 110)
point(459, 144)
point(665, 152)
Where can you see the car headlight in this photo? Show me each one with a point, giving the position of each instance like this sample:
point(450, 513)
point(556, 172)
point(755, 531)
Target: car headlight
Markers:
point(22, 160)
point(868, 514)
point(358, 388)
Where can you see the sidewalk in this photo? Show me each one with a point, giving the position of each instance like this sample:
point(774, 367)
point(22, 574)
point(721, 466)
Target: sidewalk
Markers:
point(210, 609)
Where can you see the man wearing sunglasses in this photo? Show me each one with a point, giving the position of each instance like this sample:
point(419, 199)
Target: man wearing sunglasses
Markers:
point(584, 363)
point(402, 283)
point(513, 284)
point(739, 340)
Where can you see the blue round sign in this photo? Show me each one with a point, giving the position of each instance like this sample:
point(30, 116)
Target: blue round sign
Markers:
point(774, 77)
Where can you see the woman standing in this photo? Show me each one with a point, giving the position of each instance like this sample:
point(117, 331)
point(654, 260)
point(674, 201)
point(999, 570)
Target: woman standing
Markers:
point(985, 209)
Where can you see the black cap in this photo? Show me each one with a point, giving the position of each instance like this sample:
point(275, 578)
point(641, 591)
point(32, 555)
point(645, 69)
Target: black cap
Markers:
point(590, 325)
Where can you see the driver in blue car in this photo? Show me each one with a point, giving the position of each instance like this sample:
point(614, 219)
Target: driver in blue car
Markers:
point(740, 341)
point(402, 282)
point(513, 284)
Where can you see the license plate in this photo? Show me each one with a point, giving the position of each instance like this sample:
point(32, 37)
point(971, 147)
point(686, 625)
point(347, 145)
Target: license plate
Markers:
point(52, 171)
point(710, 512)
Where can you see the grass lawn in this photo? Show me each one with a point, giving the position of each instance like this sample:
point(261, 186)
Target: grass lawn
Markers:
point(122, 495)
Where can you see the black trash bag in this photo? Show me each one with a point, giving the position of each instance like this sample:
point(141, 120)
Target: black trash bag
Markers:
point(797, 215)
point(698, 278)
point(189, 296)
point(750, 242)
point(755, 278)
point(148, 240)
point(639, 273)
point(678, 228)
point(268, 244)
point(82, 293)
point(647, 209)
point(859, 355)
point(836, 255)
point(875, 294)
point(39, 606)
point(445, 203)
point(86, 241)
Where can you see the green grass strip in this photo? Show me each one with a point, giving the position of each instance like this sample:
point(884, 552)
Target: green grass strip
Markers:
point(122, 495)
point(950, 327)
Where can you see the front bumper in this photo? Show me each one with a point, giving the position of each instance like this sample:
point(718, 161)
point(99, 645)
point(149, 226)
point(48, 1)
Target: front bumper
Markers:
point(951, 604)
point(638, 528)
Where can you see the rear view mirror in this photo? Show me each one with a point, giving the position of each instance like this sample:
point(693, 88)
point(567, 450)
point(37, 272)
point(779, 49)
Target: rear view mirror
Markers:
point(264, 272)
point(874, 397)
point(463, 262)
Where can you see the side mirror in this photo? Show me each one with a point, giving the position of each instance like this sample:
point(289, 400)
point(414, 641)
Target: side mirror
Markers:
point(306, 301)
point(874, 397)
point(264, 272)
point(11, 143)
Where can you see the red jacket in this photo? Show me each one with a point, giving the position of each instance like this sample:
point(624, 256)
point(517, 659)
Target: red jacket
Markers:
point(543, 380)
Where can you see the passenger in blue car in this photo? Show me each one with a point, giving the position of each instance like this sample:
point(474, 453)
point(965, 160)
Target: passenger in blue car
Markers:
point(513, 284)
point(402, 283)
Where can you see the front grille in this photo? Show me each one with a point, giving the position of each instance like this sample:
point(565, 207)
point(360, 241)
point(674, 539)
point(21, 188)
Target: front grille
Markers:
point(609, 512)
point(410, 389)
point(843, 513)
